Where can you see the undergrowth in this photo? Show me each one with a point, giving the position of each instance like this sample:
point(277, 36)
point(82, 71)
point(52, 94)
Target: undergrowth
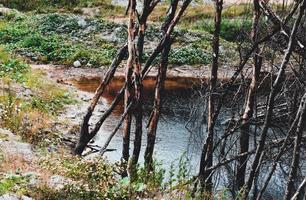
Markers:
point(27, 99)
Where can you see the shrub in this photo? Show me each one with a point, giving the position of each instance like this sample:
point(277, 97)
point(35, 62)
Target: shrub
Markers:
point(34, 40)
point(190, 55)
point(231, 29)
point(14, 69)
point(58, 23)
point(13, 34)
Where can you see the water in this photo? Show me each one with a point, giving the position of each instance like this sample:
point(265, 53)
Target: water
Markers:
point(173, 138)
point(181, 128)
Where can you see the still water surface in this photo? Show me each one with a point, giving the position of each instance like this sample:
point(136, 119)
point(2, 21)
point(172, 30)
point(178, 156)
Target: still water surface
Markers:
point(175, 135)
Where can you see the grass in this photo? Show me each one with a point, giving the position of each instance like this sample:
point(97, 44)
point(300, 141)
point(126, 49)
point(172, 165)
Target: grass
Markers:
point(56, 38)
point(28, 100)
point(61, 39)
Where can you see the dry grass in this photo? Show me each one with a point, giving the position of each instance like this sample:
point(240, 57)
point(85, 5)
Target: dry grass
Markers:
point(17, 162)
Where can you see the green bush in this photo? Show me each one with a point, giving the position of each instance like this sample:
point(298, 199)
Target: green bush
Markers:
point(189, 55)
point(57, 23)
point(14, 182)
point(13, 34)
point(14, 69)
point(35, 40)
point(230, 28)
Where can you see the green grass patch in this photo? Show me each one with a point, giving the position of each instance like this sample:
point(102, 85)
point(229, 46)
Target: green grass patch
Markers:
point(28, 100)
point(57, 38)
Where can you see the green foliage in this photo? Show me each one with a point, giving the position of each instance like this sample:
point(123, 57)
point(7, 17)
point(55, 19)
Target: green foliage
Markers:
point(189, 55)
point(58, 23)
point(51, 38)
point(28, 5)
point(231, 29)
point(12, 33)
point(14, 69)
point(14, 183)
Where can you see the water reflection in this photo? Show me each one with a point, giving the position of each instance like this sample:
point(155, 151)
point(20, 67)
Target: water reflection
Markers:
point(180, 100)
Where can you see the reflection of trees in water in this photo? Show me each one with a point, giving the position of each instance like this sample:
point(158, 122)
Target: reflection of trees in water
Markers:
point(242, 135)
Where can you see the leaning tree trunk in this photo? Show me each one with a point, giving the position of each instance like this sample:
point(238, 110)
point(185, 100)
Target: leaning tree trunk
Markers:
point(85, 135)
point(159, 87)
point(249, 103)
point(207, 152)
point(296, 151)
point(128, 82)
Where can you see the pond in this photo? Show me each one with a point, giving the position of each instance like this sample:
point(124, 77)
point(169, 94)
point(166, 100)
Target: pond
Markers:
point(182, 109)
point(181, 128)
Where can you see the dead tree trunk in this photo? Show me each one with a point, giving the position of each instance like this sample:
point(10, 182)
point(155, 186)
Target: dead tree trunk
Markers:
point(148, 6)
point(165, 46)
point(275, 90)
point(85, 135)
point(249, 103)
point(290, 190)
point(207, 152)
point(128, 81)
point(160, 83)
point(280, 153)
point(159, 87)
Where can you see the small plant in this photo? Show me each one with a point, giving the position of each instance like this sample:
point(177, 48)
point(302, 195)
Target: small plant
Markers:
point(14, 182)
point(14, 69)
point(190, 55)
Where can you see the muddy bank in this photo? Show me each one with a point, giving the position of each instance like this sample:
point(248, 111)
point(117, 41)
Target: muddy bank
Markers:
point(68, 73)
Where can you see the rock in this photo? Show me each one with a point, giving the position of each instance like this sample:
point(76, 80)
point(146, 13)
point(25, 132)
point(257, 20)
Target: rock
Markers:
point(81, 22)
point(77, 64)
point(14, 197)
point(58, 182)
point(8, 135)
point(13, 147)
point(91, 12)
point(7, 11)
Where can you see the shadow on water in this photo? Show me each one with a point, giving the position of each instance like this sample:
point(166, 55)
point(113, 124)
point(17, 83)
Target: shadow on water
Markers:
point(183, 105)
point(181, 128)
point(173, 138)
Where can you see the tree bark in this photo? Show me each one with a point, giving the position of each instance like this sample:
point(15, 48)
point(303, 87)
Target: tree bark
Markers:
point(249, 103)
point(290, 190)
point(160, 83)
point(85, 136)
point(207, 152)
point(128, 82)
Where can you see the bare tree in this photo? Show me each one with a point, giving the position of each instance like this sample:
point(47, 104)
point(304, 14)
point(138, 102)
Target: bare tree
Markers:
point(207, 152)
point(274, 91)
point(290, 190)
point(250, 101)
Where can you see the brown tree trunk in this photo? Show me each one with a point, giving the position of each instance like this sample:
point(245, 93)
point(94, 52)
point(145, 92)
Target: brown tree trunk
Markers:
point(165, 44)
point(85, 136)
point(161, 77)
point(128, 82)
point(207, 152)
point(249, 103)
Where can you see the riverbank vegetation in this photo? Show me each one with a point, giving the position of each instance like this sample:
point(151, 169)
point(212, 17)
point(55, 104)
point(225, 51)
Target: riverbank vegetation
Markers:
point(252, 120)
